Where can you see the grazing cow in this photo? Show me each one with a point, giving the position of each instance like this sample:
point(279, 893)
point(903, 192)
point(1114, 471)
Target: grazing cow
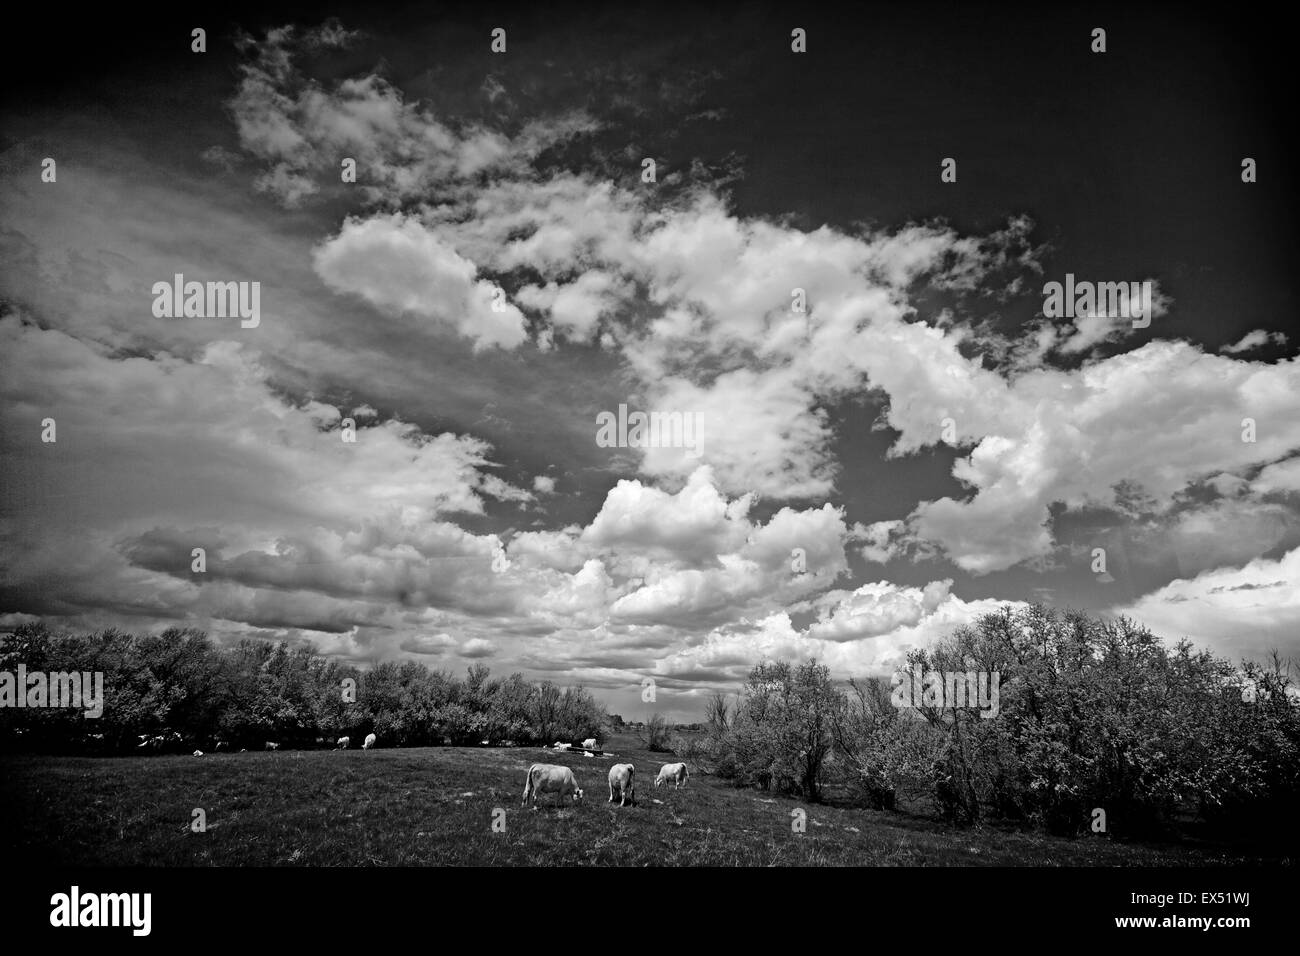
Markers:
point(560, 746)
point(622, 778)
point(370, 742)
point(272, 745)
point(197, 753)
point(343, 743)
point(549, 778)
point(589, 743)
point(674, 773)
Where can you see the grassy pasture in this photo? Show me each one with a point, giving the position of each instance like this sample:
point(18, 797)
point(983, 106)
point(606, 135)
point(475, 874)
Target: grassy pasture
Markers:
point(434, 806)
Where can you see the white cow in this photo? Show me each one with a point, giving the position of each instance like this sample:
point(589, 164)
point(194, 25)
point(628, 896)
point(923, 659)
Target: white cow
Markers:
point(560, 746)
point(549, 778)
point(589, 743)
point(272, 745)
point(622, 777)
point(197, 753)
point(674, 773)
point(343, 743)
point(370, 742)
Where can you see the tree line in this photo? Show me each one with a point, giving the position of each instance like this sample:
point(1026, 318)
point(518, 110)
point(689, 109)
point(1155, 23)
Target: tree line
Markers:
point(179, 683)
point(1099, 725)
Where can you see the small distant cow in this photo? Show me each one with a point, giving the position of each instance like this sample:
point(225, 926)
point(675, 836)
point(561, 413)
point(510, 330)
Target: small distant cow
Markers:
point(343, 743)
point(272, 745)
point(622, 777)
point(220, 746)
point(197, 753)
point(370, 742)
point(589, 743)
point(560, 746)
point(549, 778)
point(674, 773)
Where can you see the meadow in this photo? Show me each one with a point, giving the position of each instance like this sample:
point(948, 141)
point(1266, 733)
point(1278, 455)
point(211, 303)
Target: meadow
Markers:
point(436, 805)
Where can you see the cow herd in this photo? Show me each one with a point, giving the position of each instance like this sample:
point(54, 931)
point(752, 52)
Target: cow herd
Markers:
point(559, 780)
point(157, 743)
point(343, 743)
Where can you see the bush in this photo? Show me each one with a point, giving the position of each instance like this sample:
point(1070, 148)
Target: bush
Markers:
point(1090, 713)
point(255, 691)
point(656, 736)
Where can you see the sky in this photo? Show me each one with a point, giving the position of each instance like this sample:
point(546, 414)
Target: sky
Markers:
point(920, 445)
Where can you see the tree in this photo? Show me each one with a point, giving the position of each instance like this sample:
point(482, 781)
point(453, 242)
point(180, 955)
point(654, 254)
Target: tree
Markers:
point(655, 738)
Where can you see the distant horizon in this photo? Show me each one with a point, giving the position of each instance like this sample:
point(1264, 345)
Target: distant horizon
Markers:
point(634, 702)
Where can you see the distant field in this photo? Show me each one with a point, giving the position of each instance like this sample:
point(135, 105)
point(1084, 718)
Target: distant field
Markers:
point(429, 806)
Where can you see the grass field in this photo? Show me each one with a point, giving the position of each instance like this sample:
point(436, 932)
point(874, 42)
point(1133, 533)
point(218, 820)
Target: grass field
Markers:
point(429, 806)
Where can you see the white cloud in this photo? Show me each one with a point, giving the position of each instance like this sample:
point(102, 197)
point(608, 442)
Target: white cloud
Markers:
point(1282, 476)
point(1253, 340)
point(1236, 612)
point(402, 268)
point(869, 631)
point(477, 647)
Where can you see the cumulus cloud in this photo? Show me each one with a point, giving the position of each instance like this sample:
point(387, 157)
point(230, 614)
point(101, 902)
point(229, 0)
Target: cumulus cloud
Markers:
point(1161, 417)
point(252, 478)
point(1281, 476)
point(868, 631)
point(402, 268)
point(690, 568)
point(1237, 612)
point(477, 647)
